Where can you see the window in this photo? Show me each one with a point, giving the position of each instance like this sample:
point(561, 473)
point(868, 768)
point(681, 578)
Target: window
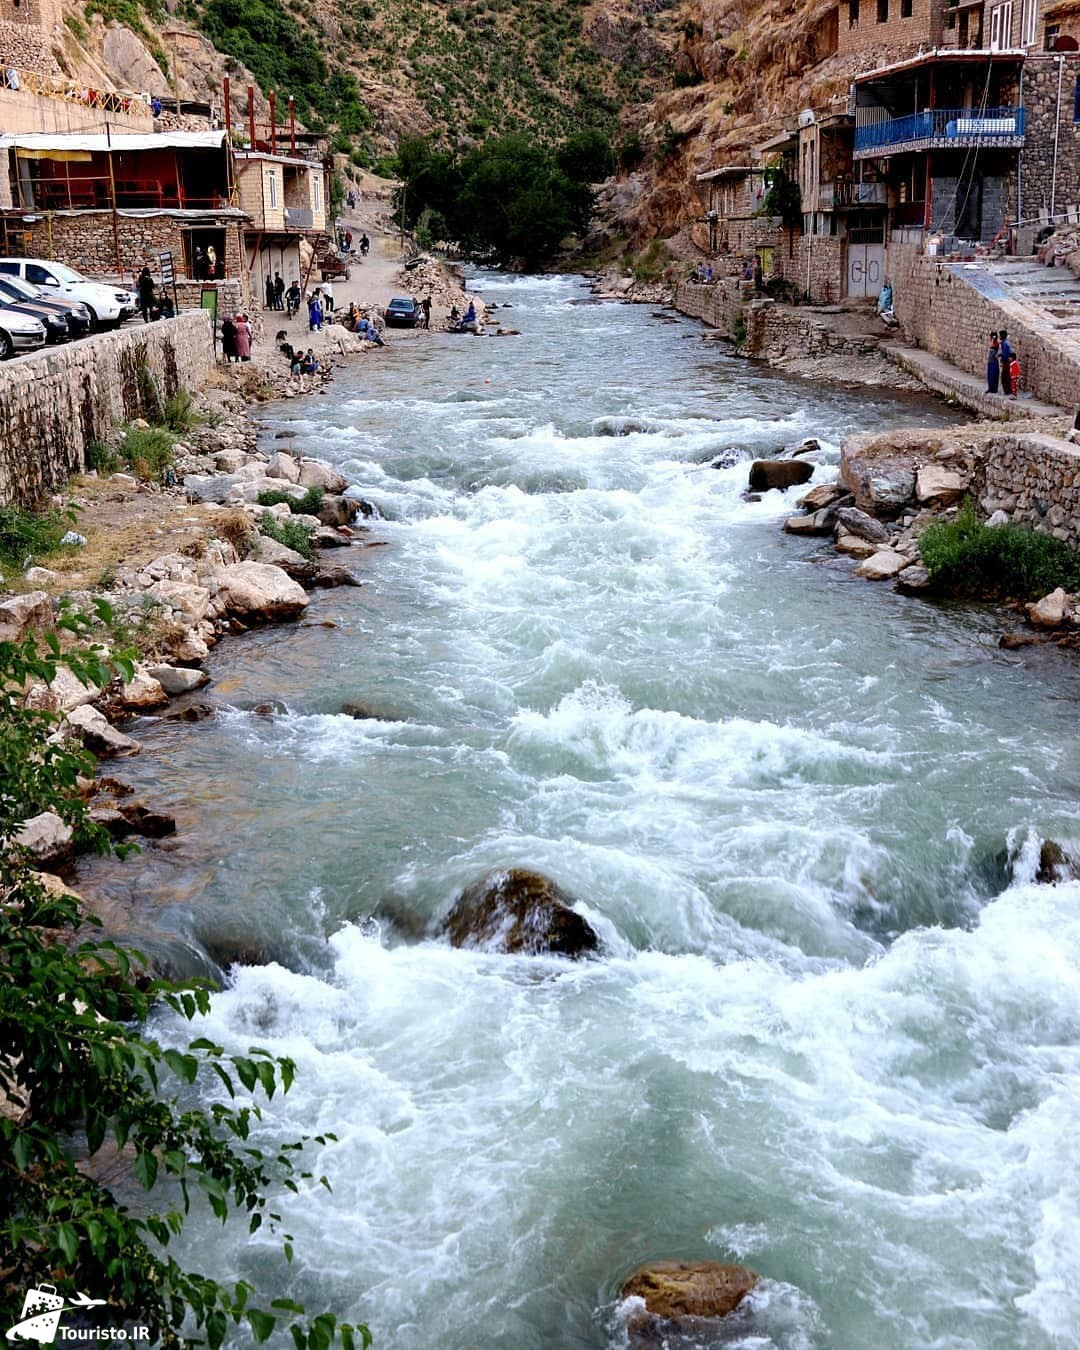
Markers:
point(1052, 31)
point(1029, 21)
point(853, 13)
point(271, 189)
point(883, 11)
point(1001, 27)
point(905, 9)
point(316, 193)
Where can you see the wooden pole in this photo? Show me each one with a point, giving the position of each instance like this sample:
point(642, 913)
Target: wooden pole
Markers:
point(112, 198)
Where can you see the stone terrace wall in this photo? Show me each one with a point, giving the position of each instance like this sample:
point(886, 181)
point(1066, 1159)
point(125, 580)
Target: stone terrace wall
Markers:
point(53, 403)
point(718, 305)
point(943, 312)
point(1036, 479)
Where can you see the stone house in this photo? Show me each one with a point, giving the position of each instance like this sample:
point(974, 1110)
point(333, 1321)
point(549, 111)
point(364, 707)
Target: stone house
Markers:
point(105, 203)
point(285, 198)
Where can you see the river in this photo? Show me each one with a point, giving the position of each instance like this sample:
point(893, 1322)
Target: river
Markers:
point(834, 1031)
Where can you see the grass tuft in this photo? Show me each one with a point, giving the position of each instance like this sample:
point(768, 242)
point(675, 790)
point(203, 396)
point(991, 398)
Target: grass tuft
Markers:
point(968, 558)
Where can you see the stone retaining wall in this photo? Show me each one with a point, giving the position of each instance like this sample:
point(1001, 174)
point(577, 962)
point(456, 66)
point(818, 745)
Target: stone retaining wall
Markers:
point(946, 314)
point(53, 403)
point(1036, 480)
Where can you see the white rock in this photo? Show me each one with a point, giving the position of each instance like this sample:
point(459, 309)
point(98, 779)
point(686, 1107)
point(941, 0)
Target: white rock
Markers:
point(63, 694)
point(317, 473)
point(284, 466)
point(935, 486)
point(191, 600)
point(98, 735)
point(23, 614)
point(178, 679)
point(191, 647)
point(142, 692)
point(40, 576)
point(998, 519)
point(259, 590)
point(853, 545)
point(883, 565)
point(47, 837)
point(1050, 611)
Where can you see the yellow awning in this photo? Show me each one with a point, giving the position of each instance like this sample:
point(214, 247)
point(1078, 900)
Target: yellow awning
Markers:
point(68, 156)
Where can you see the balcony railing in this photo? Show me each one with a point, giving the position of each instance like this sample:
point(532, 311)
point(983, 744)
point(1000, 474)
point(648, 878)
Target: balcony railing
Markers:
point(845, 193)
point(943, 129)
point(299, 218)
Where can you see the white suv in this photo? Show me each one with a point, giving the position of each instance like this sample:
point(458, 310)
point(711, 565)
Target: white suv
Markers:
point(106, 303)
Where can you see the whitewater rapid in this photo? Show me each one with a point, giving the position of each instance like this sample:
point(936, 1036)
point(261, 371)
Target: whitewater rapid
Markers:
point(833, 1033)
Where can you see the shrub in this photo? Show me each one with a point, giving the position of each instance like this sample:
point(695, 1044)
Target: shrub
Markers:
point(236, 528)
point(180, 413)
point(968, 558)
point(147, 450)
point(307, 505)
point(292, 533)
point(25, 535)
point(102, 457)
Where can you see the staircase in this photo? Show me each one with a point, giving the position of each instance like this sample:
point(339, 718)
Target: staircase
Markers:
point(1050, 297)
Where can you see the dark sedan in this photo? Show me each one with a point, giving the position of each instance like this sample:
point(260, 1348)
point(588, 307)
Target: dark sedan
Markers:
point(78, 316)
point(403, 312)
point(56, 324)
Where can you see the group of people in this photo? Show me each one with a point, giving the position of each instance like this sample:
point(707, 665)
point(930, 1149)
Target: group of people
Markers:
point(357, 322)
point(151, 305)
point(1002, 365)
point(275, 291)
point(301, 364)
point(236, 338)
point(320, 305)
point(206, 263)
point(703, 274)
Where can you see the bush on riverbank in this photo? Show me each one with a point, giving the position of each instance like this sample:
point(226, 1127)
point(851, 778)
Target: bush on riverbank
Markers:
point(307, 505)
point(291, 533)
point(29, 536)
point(970, 558)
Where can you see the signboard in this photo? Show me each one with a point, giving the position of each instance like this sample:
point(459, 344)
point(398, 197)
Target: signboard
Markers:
point(168, 275)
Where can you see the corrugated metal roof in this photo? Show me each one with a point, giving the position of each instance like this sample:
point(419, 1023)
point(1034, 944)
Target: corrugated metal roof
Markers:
point(118, 141)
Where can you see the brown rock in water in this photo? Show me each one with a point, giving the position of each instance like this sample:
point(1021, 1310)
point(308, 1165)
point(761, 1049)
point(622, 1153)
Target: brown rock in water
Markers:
point(1055, 864)
point(778, 473)
point(680, 1289)
point(520, 913)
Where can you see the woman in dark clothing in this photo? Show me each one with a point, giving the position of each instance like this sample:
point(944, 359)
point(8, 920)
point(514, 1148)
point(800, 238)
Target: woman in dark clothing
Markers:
point(146, 294)
point(228, 339)
point(270, 292)
point(993, 368)
point(1005, 356)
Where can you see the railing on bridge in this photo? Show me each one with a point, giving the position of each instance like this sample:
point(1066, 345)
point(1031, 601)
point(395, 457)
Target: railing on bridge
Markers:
point(55, 86)
point(944, 128)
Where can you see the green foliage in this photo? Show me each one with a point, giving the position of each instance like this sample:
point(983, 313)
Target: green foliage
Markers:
point(147, 451)
point(180, 413)
point(651, 263)
point(508, 199)
point(586, 157)
point(782, 198)
point(306, 505)
point(668, 140)
point(76, 26)
point(968, 558)
point(26, 536)
point(738, 332)
point(631, 151)
point(78, 1068)
point(292, 533)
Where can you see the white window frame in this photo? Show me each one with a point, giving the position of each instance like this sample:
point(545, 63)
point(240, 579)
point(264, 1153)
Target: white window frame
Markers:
point(1029, 22)
point(271, 181)
point(316, 193)
point(1001, 26)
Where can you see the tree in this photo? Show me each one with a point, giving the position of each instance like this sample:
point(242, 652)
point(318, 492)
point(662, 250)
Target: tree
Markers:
point(783, 199)
point(586, 157)
point(77, 1066)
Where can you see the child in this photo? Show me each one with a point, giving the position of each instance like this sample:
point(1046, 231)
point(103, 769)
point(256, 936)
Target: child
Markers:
point(1014, 374)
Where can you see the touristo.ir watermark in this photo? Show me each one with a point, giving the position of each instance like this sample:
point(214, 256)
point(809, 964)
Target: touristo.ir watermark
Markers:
point(42, 1313)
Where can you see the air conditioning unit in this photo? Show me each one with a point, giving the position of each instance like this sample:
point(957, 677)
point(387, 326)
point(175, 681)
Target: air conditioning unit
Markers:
point(807, 118)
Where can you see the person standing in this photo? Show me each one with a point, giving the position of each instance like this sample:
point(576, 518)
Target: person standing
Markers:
point(146, 294)
point(228, 339)
point(269, 291)
point(279, 291)
point(759, 274)
point(328, 296)
point(1014, 375)
point(993, 366)
point(425, 305)
point(365, 244)
point(243, 337)
point(1005, 356)
point(211, 263)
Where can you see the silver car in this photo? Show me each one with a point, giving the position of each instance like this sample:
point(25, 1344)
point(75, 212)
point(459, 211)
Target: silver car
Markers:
point(19, 332)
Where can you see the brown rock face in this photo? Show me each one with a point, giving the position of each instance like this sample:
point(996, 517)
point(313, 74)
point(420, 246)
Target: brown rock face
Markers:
point(520, 913)
point(778, 473)
point(678, 1289)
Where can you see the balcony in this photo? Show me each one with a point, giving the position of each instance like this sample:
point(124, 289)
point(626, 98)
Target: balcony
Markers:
point(299, 218)
point(844, 193)
point(942, 129)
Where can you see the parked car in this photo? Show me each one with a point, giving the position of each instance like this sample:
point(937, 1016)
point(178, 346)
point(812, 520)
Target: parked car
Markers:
point(76, 313)
point(106, 303)
point(403, 312)
point(56, 324)
point(334, 268)
point(19, 332)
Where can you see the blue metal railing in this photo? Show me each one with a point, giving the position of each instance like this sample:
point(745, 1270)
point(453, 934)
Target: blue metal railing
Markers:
point(982, 126)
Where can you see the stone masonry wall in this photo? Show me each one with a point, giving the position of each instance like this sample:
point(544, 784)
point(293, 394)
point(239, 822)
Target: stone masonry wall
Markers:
point(948, 316)
point(23, 46)
point(1049, 117)
point(718, 305)
point(53, 403)
point(1036, 480)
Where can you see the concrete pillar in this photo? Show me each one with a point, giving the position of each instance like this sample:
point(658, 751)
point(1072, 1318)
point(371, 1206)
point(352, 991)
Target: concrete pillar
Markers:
point(6, 201)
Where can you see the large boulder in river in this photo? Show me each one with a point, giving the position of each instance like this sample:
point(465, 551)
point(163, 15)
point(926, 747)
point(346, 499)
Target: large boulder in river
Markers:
point(861, 525)
point(338, 510)
point(521, 913)
point(678, 1290)
point(259, 591)
point(879, 470)
point(317, 473)
point(778, 473)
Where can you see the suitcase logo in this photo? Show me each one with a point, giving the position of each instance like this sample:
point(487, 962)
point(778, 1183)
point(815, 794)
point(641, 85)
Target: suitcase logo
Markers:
point(41, 1312)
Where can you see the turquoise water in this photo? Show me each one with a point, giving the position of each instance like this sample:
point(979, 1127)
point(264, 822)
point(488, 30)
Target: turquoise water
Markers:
point(834, 1030)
